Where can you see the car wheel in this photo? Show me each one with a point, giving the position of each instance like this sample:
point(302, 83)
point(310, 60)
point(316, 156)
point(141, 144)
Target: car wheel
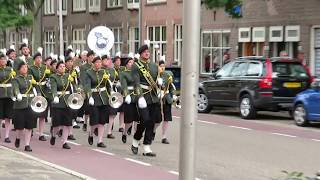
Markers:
point(300, 115)
point(203, 103)
point(247, 110)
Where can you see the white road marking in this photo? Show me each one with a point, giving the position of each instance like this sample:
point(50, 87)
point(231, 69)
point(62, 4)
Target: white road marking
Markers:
point(207, 122)
point(317, 140)
point(73, 143)
point(177, 173)
point(238, 127)
point(55, 166)
point(286, 135)
point(176, 117)
point(104, 152)
point(138, 162)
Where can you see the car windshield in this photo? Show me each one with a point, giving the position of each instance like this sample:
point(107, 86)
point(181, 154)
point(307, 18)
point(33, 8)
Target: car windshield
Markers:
point(289, 69)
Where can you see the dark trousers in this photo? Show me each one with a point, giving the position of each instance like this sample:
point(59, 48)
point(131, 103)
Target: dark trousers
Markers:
point(148, 117)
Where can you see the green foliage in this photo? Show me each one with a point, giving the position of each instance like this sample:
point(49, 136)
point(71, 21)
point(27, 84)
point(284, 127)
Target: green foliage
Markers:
point(292, 176)
point(231, 7)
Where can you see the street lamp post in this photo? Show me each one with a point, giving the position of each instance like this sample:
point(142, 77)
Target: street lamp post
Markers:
point(61, 27)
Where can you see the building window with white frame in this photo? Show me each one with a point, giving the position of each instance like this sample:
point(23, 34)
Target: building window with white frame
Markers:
point(133, 39)
point(155, 1)
point(158, 41)
point(94, 5)
point(79, 5)
point(114, 3)
point(49, 7)
point(133, 4)
point(21, 36)
point(177, 44)
point(64, 7)
point(78, 39)
point(12, 38)
point(117, 32)
point(49, 43)
point(215, 46)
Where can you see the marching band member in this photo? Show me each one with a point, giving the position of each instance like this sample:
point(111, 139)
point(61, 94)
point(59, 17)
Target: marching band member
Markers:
point(167, 97)
point(12, 55)
point(83, 69)
point(41, 74)
point(61, 86)
point(25, 54)
point(47, 62)
point(23, 117)
point(95, 87)
point(6, 103)
point(129, 106)
point(53, 65)
point(145, 74)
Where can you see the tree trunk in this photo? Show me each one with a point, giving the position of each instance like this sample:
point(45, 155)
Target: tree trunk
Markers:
point(36, 32)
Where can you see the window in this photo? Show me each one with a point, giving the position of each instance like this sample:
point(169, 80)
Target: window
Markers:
point(133, 4)
point(254, 69)
point(276, 34)
point(133, 39)
point(49, 43)
point(177, 44)
point(292, 33)
point(155, 1)
point(78, 39)
point(21, 36)
point(114, 3)
point(79, 5)
point(65, 39)
point(215, 47)
point(289, 69)
point(158, 41)
point(225, 70)
point(64, 7)
point(239, 69)
point(244, 35)
point(117, 40)
point(49, 7)
point(12, 38)
point(258, 34)
point(94, 5)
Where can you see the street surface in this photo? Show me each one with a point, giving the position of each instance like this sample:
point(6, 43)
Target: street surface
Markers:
point(228, 148)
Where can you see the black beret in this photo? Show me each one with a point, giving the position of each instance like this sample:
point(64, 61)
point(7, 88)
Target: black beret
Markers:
point(23, 45)
point(115, 58)
point(143, 48)
point(161, 62)
point(95, 59)
point(68, 59)
point(90, 53)
point(48, 58)
point(20, 64)
point(52, 62)
point(67, 52)
point(59, 63)
point(127, 60)
point(104, 57)
point(2, 55)
point(9, 52)
point(36, 55)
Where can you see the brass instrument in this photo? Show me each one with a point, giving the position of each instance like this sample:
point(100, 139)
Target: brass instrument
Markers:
point(115, 98)
point(39, 104)
point(75, 101)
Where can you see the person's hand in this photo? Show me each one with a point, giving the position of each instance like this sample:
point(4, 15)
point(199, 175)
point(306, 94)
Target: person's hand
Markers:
point(128, 99)
point(19, 97)
point(142, 103)
point(56, 100)
point(91, 101)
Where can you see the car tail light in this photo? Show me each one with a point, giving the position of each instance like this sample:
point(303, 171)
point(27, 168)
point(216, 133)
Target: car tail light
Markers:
point(312, 79)
point(266, 82)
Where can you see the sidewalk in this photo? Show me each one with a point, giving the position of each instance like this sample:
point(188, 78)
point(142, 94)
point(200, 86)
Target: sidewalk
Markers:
point(15, 166)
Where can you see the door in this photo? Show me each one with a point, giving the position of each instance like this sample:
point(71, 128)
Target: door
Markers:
point(314, 105)
point(237, 73)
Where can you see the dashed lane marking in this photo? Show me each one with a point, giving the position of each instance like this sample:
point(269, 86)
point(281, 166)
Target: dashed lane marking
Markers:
point(243, 128)
point(138, 162)
point(285, 135)
point(177, 173)
point(104, 152)
point(207, 122)
point(317, 140)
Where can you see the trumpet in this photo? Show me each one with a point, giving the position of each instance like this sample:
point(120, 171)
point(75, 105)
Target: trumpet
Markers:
point(39, 104)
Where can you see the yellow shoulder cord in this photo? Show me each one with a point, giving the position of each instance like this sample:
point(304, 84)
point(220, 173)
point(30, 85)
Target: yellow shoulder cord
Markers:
point(147, 77)
point(29, 88)
point(65, 89)
point(41, 79)
point(7, 80)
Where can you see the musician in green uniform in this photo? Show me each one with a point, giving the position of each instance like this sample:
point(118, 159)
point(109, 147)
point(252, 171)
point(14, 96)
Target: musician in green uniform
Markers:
point(25, 56)
point(41, 74)
point(167, 97)
point(6, 103)
point(97, 93)
point(146, 81)
point(12, 56)
point(83, 69)
point(53, 66)
point(23, 119)
point(61, 86)
point(130, 102)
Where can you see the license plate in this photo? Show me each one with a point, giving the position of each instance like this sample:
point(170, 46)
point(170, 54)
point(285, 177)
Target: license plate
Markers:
point(292, 85)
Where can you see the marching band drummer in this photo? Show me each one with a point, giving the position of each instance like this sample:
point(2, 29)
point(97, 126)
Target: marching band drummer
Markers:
point(95, 87)
point(23, 116)
point(6, 103)
point(130, 105)
point(41, 74)
point(61, 86)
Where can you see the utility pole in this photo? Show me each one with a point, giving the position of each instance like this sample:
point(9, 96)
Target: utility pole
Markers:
point(61, 28)
point(190, 79)
point(140, 23)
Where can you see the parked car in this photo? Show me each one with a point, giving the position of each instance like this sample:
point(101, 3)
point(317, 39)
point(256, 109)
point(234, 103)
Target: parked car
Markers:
point(307, 105)
point(255, 84)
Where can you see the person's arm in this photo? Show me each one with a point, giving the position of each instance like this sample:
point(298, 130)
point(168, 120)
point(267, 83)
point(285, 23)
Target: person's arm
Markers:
point(136, 77)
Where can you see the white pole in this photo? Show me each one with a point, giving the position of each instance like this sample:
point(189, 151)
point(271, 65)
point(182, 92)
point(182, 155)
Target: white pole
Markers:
point(140, 23)
point(61, 27)
point(190, 77)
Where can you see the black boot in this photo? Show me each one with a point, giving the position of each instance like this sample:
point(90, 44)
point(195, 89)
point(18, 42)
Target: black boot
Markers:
point(17, 143)
point(101, 145)
point(124, 138)
point(121, 129)
point(28, 149)
point(165, 141)
point(90, 140)
point(149, 154)
point(129, 131)
point(7, 140)
point(71, 137)
point(134, 149)
point(42, 138)
point(66, 146)
point(52, 140)
point(110, 136)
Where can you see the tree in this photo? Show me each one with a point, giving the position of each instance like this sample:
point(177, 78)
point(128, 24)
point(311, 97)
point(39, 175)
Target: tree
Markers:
point(232, 7)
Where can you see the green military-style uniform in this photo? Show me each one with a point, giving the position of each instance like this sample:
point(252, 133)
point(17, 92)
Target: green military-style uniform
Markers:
point(61, 88)
point(6, 76)
point(28, 60)
point(83, 72)
point(146, 87)
point(23, 85)
point(41, 74)
point(167, 89)
point(127, 85)
point(96, 86)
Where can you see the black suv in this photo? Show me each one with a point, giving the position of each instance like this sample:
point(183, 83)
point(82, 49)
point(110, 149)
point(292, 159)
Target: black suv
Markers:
point(255, 84)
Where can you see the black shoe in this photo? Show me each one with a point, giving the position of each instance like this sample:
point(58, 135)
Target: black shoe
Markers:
point(71, 137)
point(129, 131)
point(52, 140)
point(121, 129)
point(60, 132)
point(134, 149)
point(17, 143)
point(165, 141)
point(51, 130)
point(101, 145)
point(28, 149)
point(90, 140)
point(84, 127)
point(110, 136)
point(42, 138)
point(124, 138)
point(149, 154)
point(7, 140)
point(95, 132)
point(66, 146)
point(76, 127)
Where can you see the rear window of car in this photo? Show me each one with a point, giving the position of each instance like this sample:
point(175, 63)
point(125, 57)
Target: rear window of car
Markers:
point(289, 69)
